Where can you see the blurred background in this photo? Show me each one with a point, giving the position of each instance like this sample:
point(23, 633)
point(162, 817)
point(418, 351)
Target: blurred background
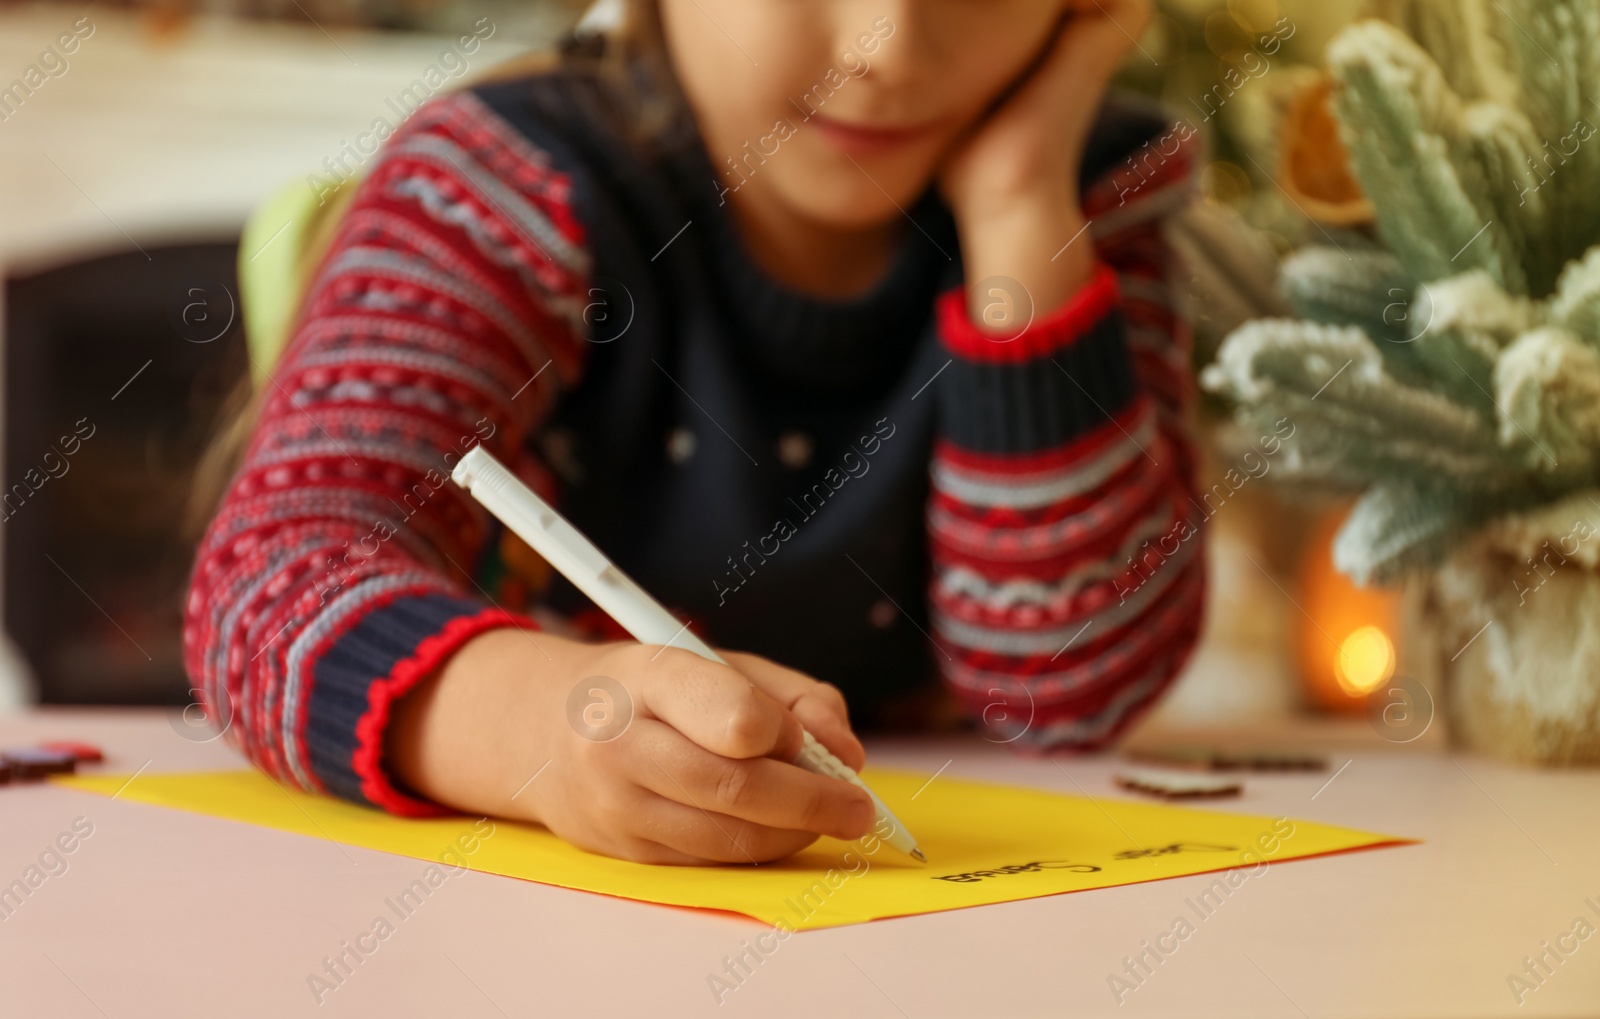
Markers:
point(127, 175)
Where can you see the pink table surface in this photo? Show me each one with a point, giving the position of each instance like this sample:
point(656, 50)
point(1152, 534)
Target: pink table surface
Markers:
point(167, 914)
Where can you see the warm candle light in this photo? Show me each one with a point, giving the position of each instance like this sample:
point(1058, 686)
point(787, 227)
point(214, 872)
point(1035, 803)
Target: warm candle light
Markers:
point(1349, 637)
point(1364, 659)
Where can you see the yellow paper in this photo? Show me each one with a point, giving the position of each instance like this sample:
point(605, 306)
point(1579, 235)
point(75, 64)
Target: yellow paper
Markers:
point(985, 843)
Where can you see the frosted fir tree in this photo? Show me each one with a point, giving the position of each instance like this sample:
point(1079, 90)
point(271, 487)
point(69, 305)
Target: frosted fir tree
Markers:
point(1451, 372)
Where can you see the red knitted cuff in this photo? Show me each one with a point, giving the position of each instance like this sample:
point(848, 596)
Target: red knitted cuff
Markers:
point(367, 760)
point(1041, 338)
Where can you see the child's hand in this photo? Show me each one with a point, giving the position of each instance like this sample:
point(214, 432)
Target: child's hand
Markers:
point(1012, 183)
point(684, 761)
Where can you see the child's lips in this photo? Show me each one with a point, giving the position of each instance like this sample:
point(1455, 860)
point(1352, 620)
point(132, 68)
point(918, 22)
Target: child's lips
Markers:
point(868, 139)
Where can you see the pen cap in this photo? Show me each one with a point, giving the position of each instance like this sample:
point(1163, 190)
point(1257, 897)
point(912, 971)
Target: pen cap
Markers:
point(534, 520)
point(566, 549)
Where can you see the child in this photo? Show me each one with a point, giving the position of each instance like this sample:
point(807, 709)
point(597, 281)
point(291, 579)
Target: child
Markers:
point(706, 289)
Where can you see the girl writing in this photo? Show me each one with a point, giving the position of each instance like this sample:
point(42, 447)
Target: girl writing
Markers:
point(845, 328)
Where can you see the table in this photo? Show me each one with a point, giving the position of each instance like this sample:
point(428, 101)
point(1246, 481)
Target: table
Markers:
point(166, 914)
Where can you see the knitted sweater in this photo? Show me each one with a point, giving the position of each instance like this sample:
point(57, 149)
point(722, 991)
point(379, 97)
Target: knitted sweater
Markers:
point(872, 490)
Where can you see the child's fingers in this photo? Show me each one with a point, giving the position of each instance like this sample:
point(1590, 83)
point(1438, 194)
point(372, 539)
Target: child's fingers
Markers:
point(718, 708)
point(760, 790)
point(632, 848)
point(710, 837)
point(1103, 33)
point(820, 707)
point(635, 848)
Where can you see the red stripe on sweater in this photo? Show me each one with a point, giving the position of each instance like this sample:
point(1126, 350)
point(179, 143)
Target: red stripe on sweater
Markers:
point(1180, 619)
point(1143, 176)
point(1011, 517)
point(996, 543)
point(1114, 430)
point(1066, 608)
point(1100, 536)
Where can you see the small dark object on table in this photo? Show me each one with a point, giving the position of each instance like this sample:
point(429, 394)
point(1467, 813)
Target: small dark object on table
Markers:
point(35, 763)
point(1172, 785)
point(1218, 760)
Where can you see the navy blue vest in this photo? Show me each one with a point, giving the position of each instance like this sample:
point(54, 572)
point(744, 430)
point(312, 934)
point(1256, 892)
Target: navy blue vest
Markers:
point(756, 458)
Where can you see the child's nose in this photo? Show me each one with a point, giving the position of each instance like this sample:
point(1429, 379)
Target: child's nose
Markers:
point(890, 39)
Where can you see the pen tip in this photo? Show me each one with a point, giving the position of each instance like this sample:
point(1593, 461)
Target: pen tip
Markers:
point(918, 854)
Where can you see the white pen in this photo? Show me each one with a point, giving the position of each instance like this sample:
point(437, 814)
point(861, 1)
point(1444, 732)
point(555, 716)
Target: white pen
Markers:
point(566, 549)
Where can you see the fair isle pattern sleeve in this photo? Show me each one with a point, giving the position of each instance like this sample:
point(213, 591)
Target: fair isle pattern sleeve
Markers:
point(337, 572)
point(1068, 571)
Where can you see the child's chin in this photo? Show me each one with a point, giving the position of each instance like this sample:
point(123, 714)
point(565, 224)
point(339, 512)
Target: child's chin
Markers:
point(849, 199)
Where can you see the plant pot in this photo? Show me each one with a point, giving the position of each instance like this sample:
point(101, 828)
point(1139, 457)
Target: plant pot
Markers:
point(1514, 617)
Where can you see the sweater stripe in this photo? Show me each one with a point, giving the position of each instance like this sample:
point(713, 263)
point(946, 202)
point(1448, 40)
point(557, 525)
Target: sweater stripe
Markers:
point(992, 489)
